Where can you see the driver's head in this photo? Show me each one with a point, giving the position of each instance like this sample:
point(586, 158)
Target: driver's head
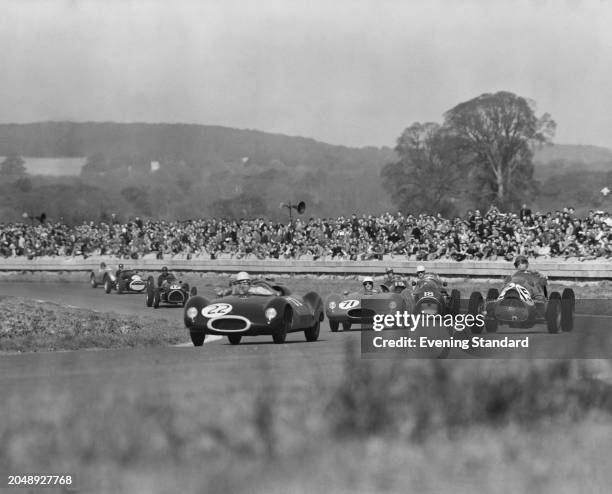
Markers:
point(368, 283)
point(164, 270)
point(120, 266)
point(243, 281)
point(420, 271)
point(521, 263)
point(389, 272)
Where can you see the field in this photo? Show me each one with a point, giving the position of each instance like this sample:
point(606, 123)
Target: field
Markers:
point(296, 418)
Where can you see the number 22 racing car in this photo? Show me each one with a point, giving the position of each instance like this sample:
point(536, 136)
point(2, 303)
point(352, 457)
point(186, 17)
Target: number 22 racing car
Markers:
point(523, 303)
point(257, 309)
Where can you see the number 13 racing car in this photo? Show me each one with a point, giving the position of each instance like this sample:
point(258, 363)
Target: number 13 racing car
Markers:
point(171, 292)
point(523, 303)
point(259, 308)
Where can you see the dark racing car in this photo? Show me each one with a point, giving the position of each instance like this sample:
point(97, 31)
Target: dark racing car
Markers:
point(171, 292)
point(253, 308)
point(522, 303)
point(430, 296)
point(360, 307)
point(124, 281)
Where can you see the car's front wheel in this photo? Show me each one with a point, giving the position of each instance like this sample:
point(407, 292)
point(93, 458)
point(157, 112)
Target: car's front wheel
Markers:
point(197, 337)
point(346, 326)
point(553, 313)
point(108, 285)
point(312, 333)
point(234, 339)
point(281, 334)
point(156, 299)
point(333, 326)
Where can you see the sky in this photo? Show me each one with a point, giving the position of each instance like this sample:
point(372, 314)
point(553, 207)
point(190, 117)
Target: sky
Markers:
point(355, 73)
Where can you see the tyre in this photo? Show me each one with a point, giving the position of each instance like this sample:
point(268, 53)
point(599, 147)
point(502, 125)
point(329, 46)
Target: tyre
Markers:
point(455, 302)
point(197, 337)
point(156, 298)
point(312, 333)
point(281, 334)
point(492, 294)
point(491, 325)
point(193, 292)
point(108, 285)
point(150, 295)
point(553, 313)
point(333, 326)
point(346, 326)
point(568, 307)
point(92, 280)
point(120, 286)
point(475, 308)
point(234, 339)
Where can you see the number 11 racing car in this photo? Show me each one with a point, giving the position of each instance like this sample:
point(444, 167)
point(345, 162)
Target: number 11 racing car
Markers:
point(523, 303)
point(259, 308)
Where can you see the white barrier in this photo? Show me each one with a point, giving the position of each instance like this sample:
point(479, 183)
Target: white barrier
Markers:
point(552, 268)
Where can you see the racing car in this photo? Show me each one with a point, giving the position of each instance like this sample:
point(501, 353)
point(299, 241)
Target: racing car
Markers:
point(361, 307)
point(97, 276)
point(523, 304)
point(253, 309)
point(430, 296)
point(171, 292)
point(128, 281)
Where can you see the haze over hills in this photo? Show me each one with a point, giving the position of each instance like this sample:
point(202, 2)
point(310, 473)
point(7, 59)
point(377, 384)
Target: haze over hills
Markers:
point(223, 171)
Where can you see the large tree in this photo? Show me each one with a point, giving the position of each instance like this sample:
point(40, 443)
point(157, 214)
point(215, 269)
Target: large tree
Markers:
point(13, 166)
point(427, 175)
point(498, 133)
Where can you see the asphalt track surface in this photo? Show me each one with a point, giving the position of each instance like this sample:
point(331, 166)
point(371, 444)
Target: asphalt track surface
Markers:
point(217, 360)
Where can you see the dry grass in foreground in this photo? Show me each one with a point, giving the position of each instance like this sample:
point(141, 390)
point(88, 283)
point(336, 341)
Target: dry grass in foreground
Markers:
point(380, 426)
point(28, 325)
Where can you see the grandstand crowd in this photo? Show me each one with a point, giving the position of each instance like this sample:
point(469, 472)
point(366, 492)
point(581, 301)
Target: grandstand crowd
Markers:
point(491, 235)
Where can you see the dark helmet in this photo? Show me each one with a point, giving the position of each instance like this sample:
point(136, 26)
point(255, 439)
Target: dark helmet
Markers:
point(164, 269)
point(519, 260)
point(120, 266)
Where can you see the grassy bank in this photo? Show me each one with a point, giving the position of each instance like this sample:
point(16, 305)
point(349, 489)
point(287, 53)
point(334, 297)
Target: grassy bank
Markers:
point(399, 426)
point(28, 325)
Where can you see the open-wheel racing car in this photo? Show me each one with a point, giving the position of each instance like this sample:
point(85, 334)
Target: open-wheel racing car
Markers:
point(258, 307)
point(96, 277)
point(360, 307)
point(430, 296)
point(125, 281)
point(523, 303)
point(171, 292)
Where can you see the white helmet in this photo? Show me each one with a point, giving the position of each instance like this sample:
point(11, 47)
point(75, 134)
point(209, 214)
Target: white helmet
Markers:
point(368, 279)
point(242, 276)
point(420, 269)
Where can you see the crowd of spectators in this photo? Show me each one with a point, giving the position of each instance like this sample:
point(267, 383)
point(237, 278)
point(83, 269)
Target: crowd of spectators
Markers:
point(490, 235)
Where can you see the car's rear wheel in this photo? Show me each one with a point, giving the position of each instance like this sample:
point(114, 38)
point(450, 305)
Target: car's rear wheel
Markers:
point(156, 298)
point(492, 294)
point(346, 326)
point(455, 302)
point(475, 308)
point(281, 334)
point(197, 337)
point(108, 285)
point(234, 339)
point(553, 313)
point(333, 326)
point(92, 280)
point(120, 286)
point(568, 307)
point(312, 333)
point(150, 295)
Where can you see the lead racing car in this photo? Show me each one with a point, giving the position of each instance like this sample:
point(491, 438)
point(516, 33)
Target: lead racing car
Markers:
point(524, 302)
point(430, 295)
point(253, 308)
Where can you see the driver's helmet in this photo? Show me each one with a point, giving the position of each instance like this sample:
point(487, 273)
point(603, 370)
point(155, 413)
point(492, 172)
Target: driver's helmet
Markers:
point(521, 260)
point(120, 266)
point(420, 270)
point(102, 265)
point(368, 283)
point(389, 272)
point(243, 281)
point(164, 270)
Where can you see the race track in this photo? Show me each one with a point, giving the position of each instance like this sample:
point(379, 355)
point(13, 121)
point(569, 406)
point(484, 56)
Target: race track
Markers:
point(218, 361)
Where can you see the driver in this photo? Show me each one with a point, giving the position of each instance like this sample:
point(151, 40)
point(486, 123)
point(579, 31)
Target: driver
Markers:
point(535, 279)
point(242, 283)
point(420, 272)
point(119, 271)
point(165, 276)
point(389, 276)
point(368, 286)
